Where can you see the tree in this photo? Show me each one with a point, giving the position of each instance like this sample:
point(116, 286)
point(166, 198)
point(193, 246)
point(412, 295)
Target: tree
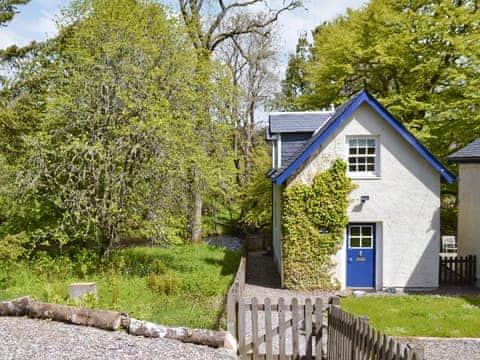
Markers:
point(209, 27)
point(294, 84)
point(252, 60)
point(417, 57)
point(207, 36)
point(112, 156)
point(8, 9)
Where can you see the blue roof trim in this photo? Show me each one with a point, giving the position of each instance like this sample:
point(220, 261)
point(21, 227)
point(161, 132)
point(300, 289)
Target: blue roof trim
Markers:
point(364, 96)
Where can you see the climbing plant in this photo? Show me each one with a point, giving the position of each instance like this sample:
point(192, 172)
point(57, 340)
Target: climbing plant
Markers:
point(314, 220)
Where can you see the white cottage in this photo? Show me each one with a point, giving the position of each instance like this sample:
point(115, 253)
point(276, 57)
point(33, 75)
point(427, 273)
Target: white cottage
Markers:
point(393, 238)
point(468, 236)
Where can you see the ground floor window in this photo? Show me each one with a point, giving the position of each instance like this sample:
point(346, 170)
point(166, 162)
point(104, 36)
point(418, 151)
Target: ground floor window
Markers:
point(360, 236)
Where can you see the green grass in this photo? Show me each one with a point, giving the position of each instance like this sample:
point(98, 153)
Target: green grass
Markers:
point(204, 274)
point(420, 315)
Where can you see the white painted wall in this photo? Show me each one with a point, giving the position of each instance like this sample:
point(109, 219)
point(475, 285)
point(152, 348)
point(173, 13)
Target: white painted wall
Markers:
point(404, 203)
point(277, 228)
point(468, 238)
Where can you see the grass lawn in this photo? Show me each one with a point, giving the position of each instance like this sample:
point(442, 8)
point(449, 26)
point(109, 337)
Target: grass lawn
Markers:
point(420, 315)
point(194, 298)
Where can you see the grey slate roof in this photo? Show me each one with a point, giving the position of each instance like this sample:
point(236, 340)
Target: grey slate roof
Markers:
point(330, 118)
point(291, 143)
point(293, 122)
point(468, 154)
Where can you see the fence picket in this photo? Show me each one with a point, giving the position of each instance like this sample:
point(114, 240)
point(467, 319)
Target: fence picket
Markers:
point(295, 320)
point(308, 329)
point(254, 313)
point(241, 328)
point(268, 329)
point(281, 327)
point(318, 328)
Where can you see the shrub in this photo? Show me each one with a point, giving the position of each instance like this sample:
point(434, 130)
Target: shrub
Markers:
point(158, 267)
point(163, 284)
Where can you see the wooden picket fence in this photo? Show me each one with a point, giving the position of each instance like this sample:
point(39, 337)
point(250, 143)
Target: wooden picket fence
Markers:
point(351, 337)
point(458, 270)
point(296, 331)
point(280, 331)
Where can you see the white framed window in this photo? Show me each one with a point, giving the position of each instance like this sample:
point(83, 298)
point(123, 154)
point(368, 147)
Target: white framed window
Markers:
point(360, 236)
point(362, 156)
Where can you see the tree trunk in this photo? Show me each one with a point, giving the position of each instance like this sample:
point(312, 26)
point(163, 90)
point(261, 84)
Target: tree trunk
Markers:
point(102, 319)
point(197, 217)
point(16, 307)
point(196, 336)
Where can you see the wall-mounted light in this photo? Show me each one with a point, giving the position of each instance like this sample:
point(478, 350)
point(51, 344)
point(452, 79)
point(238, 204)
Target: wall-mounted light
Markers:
point(364, 198)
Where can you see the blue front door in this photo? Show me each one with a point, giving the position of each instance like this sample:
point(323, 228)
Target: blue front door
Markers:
point(361, 255)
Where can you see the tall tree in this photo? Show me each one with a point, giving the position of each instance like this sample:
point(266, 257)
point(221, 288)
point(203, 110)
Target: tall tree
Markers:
point(294, 84)
point(209, 25)
point(252, 60)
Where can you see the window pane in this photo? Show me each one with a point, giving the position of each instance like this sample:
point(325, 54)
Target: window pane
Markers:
point(355, 242)
point(367, 242)
point(361, 167)
point(352, 168)
point(362, 151)
point(362, 160)
point(353, 151)
point(352, 142)
point(371, 150)
point(370, 167)
point(354, 230)
point(370, 160)
point(362, 142)
point(366, 231)
point(371, 142)
point(352, 160)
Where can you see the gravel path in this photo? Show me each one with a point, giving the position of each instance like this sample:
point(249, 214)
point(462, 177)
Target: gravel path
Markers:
point(23, 338)
point(447, 349)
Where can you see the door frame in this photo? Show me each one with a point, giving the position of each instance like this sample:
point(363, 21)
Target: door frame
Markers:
point(374, 260)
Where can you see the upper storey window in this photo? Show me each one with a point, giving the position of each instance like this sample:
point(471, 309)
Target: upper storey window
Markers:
point(362, 156)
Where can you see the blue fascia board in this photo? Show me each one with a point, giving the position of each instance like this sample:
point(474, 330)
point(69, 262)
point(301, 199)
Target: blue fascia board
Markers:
point(364, 96)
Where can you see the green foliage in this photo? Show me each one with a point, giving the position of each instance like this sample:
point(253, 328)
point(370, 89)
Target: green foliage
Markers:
point(163, 284)
point(108, 122)
point(195, 299)
point(314, 218)
point(257, 194)
point(12, 247)
point(420, 315)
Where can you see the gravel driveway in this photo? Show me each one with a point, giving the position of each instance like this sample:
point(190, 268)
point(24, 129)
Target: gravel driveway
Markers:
point(23, 338)
point(447, 349)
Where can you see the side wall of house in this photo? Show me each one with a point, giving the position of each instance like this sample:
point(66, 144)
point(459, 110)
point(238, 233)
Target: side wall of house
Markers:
point(404, 202)
point(277, 227)
point(469, 211)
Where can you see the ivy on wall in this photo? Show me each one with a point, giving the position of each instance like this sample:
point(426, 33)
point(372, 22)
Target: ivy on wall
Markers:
point(314, 218)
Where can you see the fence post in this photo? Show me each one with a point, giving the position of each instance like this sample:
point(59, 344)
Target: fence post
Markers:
point(474, 269)
point(241, 329)
point(418, 350)
point(318, 329)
